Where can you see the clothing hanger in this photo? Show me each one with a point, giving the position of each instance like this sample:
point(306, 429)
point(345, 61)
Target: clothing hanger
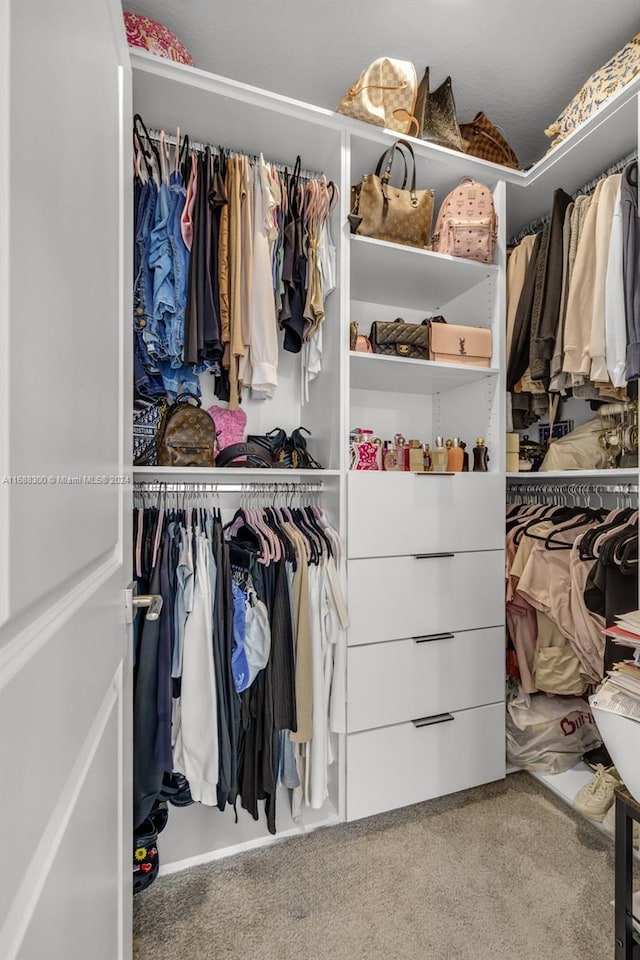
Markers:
point(553, 513)
point(149, 147)
point(272, 542)
point(592, 540)
point(287, 547)
point(308, 511)
point(551, 543)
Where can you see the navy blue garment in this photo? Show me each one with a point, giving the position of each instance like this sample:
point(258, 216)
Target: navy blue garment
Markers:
point(147, 777)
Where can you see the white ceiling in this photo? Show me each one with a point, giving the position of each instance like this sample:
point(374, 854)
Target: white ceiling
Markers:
point(520, 61)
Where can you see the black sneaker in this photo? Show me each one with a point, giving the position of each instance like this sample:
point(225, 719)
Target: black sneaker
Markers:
point(598, 756)
point(145, 855)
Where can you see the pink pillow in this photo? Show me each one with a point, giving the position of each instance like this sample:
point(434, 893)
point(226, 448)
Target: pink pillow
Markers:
point(152, 36)
point(231, 426)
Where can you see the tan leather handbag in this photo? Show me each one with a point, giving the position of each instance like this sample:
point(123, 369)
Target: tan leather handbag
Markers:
point(451, 343)
point(384, 94)
point(386, 212)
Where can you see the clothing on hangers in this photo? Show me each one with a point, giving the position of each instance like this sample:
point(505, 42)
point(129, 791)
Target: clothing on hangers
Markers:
point(229, 249)
point(572, 299)
point(235, 681)
point(570, 571)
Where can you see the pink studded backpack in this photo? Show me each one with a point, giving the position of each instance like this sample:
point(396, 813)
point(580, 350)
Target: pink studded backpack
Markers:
point(467, 224)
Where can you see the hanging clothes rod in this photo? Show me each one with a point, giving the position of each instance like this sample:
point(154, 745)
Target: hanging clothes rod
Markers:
point(541, 222)
point(582, 486)
point(580, 493)
point(196, 487)
point(216, 150)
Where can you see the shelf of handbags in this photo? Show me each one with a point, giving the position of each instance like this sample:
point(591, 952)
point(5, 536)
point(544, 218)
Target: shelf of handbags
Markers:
point(392, 273)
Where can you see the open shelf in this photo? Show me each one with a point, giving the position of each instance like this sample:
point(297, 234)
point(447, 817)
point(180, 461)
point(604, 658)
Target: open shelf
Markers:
point(566, 785)
point(398, 275)
point(371, 371)
point(219, 474)
point(215, 109)
point(630, 473)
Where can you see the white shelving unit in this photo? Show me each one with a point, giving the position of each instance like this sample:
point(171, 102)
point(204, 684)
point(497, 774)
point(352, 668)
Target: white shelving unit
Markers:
point(382, 281)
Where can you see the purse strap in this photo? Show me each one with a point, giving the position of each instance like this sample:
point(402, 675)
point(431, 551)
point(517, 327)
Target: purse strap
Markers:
point(353, 91)
point(386, 176)
point(406, 168)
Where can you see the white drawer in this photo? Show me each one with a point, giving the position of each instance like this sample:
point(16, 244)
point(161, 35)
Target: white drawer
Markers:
point(393, 514)
point(391, 598)
point(403, 679)
point(395, 766)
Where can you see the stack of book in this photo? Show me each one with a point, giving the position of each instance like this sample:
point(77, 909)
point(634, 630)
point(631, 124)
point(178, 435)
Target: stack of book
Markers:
point(620, 692)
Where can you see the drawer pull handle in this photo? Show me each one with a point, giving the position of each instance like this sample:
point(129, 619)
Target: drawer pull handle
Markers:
point(432, 556)
point(430, 721)
point(424, 473)
point(434, 636)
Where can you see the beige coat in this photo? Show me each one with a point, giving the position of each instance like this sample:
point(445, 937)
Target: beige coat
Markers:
point(577, 327)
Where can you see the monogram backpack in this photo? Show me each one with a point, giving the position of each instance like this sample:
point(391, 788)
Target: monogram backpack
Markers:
point(187, 435)
point(467, 225)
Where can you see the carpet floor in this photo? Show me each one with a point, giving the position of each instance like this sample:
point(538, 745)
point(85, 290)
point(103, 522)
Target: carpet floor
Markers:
point(503, 872)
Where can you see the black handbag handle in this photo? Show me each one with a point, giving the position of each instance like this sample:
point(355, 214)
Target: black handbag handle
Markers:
point(381, 163)
point(386, 176)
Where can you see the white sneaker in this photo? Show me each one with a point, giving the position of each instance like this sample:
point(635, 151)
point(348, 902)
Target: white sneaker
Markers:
point(596, 797)
point(609, 824)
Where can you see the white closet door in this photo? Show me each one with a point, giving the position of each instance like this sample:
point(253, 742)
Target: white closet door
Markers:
point(65, 255)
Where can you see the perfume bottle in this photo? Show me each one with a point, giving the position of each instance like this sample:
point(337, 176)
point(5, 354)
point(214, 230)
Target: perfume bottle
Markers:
point(455, 457)
point(416, 457)
point(480, 457)
point(428, 466)
point(366, 450)
point(402, 451)
point(439, 456)
point(390, 457)
point(465, 457)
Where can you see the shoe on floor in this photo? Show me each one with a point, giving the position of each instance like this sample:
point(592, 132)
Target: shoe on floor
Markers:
point(609, 824)
point(596, 797)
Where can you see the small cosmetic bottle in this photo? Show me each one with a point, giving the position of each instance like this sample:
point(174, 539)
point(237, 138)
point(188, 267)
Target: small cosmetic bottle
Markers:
point(402, 451)
point(439, 456)
point(480, 457)
point(428, 466)
point(390, 457)
point(416, 457)
point(455, 457)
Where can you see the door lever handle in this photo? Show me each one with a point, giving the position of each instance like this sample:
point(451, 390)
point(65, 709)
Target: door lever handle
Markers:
point(152, 602)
